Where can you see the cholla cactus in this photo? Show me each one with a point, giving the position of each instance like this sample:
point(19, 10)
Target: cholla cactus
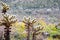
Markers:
point(29, 24)
point(36, 32)
point(5, 8)
point(7, 21)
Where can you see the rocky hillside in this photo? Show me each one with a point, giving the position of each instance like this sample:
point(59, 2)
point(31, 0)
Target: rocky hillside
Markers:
point(46, 9)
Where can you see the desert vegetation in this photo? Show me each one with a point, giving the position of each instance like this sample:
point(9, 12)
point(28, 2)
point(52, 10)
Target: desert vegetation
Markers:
point(29, 28)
